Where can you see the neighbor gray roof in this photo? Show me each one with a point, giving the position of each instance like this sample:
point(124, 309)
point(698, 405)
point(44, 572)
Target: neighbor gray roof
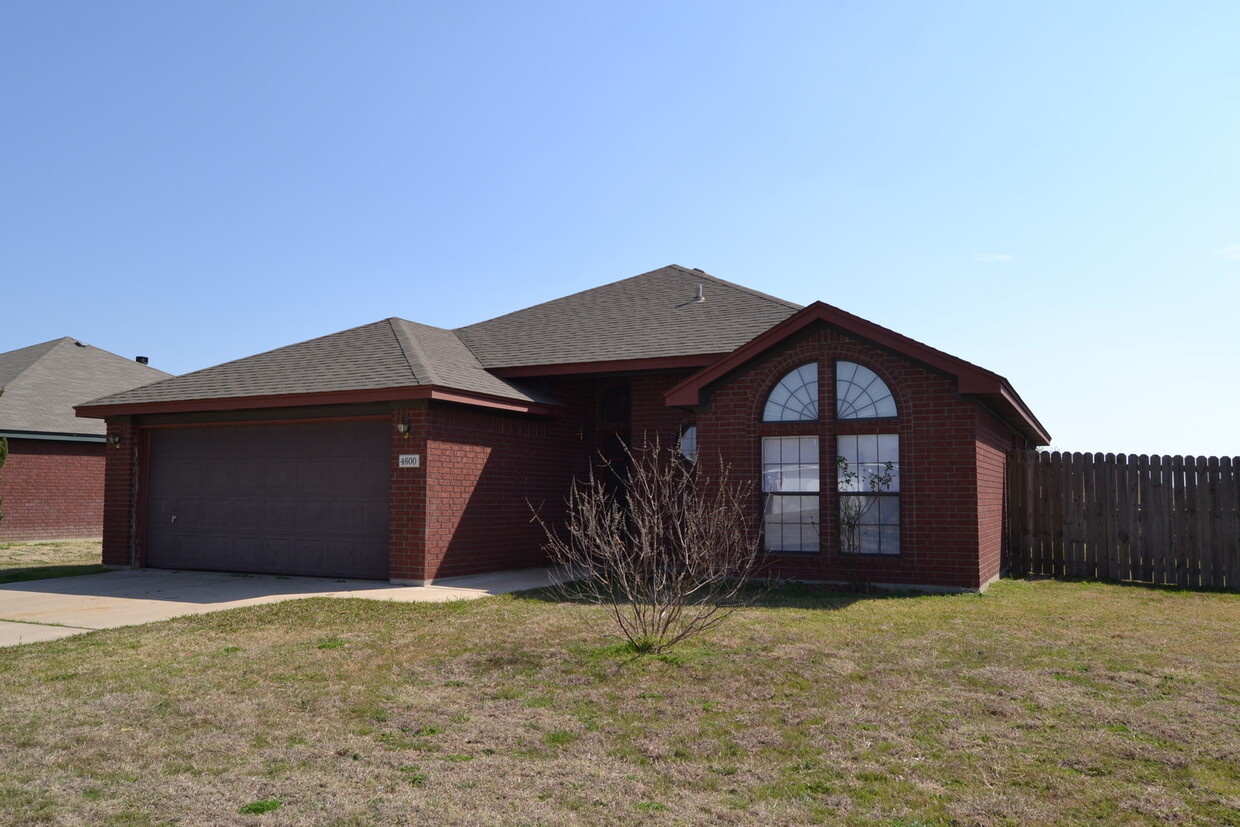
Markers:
point(642, 317)
point(393, 353)
point(43, 382)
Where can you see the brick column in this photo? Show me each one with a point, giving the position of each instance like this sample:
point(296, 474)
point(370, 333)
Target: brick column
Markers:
point(120, 496)
point(407, 498)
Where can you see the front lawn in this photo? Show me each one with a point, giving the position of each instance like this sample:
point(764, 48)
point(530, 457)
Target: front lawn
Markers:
point(1037, 703)
point(39, 561)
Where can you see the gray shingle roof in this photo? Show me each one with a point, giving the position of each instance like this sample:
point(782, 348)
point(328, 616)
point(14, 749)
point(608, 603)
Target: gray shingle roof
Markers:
point(43, 382)
point(646, 316)
point(392, 353)
point(650, 315)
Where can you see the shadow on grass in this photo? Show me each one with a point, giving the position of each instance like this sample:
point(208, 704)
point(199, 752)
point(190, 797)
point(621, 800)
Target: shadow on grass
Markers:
point(1142, 585)
point(763, 594)
point(48, 572)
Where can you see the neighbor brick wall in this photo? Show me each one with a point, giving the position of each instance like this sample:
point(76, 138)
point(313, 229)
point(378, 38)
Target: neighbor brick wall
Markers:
point(52, 490)
point(938, 459)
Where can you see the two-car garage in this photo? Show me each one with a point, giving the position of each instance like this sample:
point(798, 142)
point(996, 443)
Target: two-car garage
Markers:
point(308, 498)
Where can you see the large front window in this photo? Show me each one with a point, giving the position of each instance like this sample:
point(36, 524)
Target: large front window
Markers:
point(868, 487)
point(790, 486)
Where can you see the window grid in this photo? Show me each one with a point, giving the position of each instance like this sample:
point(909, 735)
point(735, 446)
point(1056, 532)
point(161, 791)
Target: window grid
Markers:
point(795, 397)
point(868, 486)
point(860, 393)
point(790, 486)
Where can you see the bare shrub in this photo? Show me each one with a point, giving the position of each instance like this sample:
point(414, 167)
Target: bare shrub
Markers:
point(669, 552)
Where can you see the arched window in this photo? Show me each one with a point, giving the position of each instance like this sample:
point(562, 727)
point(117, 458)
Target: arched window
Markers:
point(795, 398)
point(860, 394)
point(687, 444)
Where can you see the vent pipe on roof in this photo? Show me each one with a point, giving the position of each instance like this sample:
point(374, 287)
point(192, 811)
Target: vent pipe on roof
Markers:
point(142, 360)
point(699, 298)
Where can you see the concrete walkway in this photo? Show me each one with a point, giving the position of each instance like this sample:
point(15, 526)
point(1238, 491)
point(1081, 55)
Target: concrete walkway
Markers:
point(48, 609)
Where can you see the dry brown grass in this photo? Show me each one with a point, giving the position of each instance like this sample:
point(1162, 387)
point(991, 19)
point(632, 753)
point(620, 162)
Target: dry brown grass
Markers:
point(1038, 703)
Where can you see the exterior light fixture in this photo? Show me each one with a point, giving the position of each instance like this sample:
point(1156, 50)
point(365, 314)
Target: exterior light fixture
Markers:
point(402, 428)
point(114, 440)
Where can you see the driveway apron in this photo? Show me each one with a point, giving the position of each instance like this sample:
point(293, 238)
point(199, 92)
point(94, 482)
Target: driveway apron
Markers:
point(40, 610)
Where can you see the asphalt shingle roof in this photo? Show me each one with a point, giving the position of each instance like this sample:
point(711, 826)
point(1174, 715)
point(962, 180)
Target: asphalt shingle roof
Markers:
point(650, 315)
point(43, 382)
point(646, 316)
point(392, 353)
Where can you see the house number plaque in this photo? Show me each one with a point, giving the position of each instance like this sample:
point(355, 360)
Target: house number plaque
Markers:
point(410, 461)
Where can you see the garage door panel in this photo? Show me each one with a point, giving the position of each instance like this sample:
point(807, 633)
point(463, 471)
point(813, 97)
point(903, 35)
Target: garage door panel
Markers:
point(296, 499)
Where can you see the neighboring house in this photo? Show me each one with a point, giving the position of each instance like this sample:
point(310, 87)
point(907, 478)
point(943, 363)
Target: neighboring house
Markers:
point(406, 452)
point(52, 484)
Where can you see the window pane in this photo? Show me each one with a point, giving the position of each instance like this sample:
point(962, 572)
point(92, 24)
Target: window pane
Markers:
point(846, 447)
point(688, 443)
point(890, 539)
point(867, 448)
point(889, 447)
point(889, 511)
point(808, 450)
point(869, 540)
point(770, 451)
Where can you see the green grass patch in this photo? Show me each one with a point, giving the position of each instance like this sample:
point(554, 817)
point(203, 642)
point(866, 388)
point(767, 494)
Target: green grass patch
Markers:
point(265, 805)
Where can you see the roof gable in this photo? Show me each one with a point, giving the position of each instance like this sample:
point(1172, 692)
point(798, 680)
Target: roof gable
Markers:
point(971, 379)
point(650, 316)
point(42, 383)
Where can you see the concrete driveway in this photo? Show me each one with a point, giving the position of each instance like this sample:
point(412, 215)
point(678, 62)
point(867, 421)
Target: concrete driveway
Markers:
point(49, 609)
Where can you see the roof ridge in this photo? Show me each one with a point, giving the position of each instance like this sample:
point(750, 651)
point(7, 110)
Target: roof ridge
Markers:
point(42, 349)
point(679, 267)
point(696, 272)
point(411, 349)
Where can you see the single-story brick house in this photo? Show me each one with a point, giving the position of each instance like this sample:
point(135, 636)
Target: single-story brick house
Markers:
point(406, 452)
point(52, 483)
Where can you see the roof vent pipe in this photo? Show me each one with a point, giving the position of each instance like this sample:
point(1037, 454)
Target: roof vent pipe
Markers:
point(699, 298)
point(142, 360)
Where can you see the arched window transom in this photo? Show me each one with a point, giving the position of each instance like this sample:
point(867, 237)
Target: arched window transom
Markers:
point(795, 398)
point(860, 394)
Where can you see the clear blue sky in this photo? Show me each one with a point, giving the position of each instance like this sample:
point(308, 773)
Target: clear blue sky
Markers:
point(1050, 190)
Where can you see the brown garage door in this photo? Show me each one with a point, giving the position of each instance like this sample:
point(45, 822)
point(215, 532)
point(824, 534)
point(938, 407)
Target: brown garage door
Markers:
point(286, 499)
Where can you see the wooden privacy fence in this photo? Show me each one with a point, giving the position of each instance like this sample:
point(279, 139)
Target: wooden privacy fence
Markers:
point(1162, 520)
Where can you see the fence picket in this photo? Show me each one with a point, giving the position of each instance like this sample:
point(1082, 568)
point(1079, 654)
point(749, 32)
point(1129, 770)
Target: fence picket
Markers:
point(1121, 519)
point(1229, 546)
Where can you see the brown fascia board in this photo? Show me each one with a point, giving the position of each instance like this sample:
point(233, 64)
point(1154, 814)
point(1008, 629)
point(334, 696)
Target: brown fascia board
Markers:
point(699, 360)
point(297, 400)
point(970, 379)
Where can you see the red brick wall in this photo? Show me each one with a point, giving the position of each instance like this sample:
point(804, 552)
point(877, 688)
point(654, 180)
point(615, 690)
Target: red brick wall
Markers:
point(121, 544)
point(938, 460)
point(52, 490)
point(407, 503)
point(652, 418)
point(994, 441)
point(486, 472)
